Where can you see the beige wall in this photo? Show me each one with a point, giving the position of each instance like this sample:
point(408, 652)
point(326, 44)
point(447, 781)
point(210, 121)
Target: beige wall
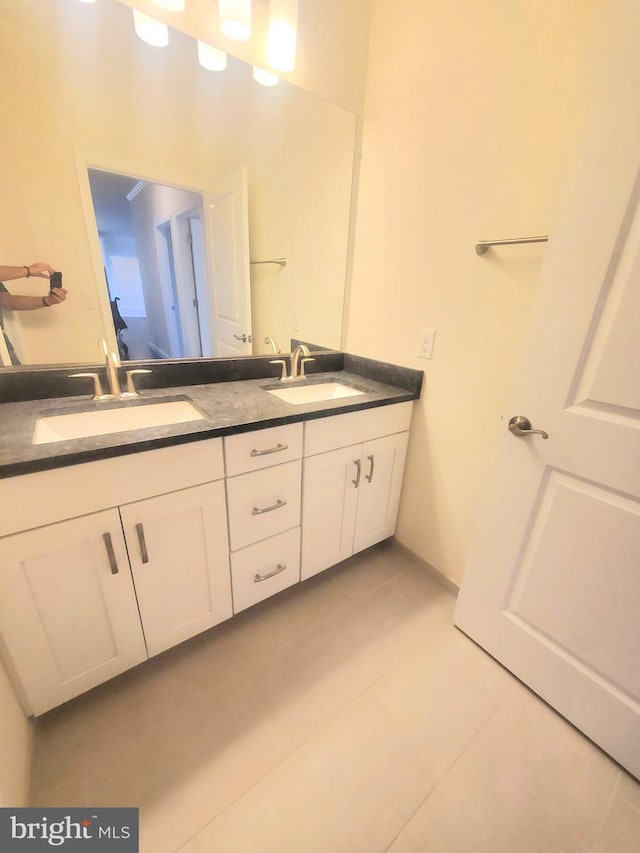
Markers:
point(473, 114)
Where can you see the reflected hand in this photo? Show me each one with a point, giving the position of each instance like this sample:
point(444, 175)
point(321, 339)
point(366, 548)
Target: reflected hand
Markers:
point(40, 270)
point(56, 296)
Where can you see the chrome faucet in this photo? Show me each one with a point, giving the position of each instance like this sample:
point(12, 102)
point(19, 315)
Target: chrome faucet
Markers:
point(274, 346)
point(112, 363)
point(299, 356)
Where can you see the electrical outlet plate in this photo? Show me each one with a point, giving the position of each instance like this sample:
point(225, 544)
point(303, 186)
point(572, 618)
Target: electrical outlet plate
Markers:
point(426, 338)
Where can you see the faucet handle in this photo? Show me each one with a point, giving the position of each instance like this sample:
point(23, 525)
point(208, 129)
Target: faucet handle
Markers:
point(131, 389)
point(283, 364)
point(98, 393)
point(301, 373)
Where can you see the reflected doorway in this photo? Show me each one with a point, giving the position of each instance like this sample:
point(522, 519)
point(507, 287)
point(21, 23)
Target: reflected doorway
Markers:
point(152, 244)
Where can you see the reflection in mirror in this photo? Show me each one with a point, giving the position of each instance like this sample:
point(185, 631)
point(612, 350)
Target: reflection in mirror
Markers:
point(80, 91)
point(165, 302)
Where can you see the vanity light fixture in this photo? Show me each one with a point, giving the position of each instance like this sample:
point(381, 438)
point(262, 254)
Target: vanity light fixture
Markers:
point(235, 19)
point(281, 36)
point(265, 78)
point(87, 1)
point(150, 31)
point(211, 58)
point(171, 5)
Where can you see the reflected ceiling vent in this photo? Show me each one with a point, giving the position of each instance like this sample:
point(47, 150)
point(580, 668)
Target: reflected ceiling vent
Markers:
point(235, 19)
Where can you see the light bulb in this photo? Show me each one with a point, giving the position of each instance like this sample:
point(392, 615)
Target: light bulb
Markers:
point(235, 19)
point(265, 78)
point(211, 58)
point(281, 37)
point(150, 31)
point(171, 5)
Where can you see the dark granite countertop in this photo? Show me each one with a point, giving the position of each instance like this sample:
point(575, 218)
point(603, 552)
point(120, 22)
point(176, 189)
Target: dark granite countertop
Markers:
point(229, 407)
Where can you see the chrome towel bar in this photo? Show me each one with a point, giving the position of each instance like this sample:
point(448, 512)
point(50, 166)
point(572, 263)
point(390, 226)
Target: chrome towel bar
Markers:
point(483, 245)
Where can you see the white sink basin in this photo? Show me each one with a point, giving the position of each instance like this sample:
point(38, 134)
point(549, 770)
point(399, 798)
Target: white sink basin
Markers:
point(298, 394)
point(105, 421)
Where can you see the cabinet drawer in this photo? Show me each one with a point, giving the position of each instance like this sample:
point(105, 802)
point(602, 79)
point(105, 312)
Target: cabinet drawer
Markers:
point(251, 451)
point(355, 427)
point(263, 569)
point(263, 503)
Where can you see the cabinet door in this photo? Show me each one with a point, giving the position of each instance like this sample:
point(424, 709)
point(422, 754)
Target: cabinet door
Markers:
point(180, 563)
point(330, 493)
point(379, 491)
point(68, 612)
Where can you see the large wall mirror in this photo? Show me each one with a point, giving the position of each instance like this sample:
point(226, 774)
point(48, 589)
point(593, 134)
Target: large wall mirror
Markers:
point(164, 193)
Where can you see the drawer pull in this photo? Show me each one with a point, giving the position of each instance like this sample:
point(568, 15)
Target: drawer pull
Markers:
point(356, 482)
point(277, 505)
point(279, 568)
point(108, 544)
point(143, 543)
point(369, 476)
point(266, 452)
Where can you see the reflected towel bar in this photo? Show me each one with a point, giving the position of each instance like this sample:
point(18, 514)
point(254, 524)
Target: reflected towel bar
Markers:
point(282, 262)
point(483, 245)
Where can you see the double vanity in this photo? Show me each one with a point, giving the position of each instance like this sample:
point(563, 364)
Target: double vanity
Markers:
point(130, 526)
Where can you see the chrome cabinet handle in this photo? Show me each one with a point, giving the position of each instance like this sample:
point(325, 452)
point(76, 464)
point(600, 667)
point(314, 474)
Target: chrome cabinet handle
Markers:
point(143, 543)
point(279, 568)
point(277, 505)
point(108, 544)
point(519, 425)
point(277, 449)
point(356, 482)
point(369, 476)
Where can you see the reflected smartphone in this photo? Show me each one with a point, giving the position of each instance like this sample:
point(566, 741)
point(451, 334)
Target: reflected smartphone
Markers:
point(55, 280)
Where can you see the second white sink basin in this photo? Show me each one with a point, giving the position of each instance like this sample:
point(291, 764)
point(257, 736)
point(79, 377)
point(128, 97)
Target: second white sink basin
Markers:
point(105, 421)
point(298, 394)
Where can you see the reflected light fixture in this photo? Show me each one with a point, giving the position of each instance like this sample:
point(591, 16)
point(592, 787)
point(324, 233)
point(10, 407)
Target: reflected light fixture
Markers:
point(150, 31)
point(281, 36)
point(87, 1)
point(171, 5)
point(211, 58)
point(265, 78)
point(235, 19)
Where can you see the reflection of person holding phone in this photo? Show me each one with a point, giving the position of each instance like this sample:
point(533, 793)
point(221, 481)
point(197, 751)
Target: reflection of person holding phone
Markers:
point(11, 302)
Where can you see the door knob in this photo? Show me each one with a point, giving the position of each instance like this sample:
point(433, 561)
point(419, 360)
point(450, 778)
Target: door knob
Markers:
point(519, 425)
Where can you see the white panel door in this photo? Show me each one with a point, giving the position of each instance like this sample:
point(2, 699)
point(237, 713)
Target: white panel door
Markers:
point(68, 611)
point(228, 228)
point(552, 585)
point(379, 489)
point(180, 562)
point(330, 496)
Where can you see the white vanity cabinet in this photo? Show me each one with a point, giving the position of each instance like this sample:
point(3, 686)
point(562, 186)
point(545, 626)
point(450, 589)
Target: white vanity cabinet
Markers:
point(78, 598)
point(263, 497)
point(352, 475)
point(69, 620)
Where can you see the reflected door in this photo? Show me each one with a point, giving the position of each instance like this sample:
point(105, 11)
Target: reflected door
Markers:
point(552, 586)
point(229, 247)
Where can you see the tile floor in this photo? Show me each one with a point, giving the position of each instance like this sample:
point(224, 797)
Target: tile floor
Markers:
point(346, 715)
